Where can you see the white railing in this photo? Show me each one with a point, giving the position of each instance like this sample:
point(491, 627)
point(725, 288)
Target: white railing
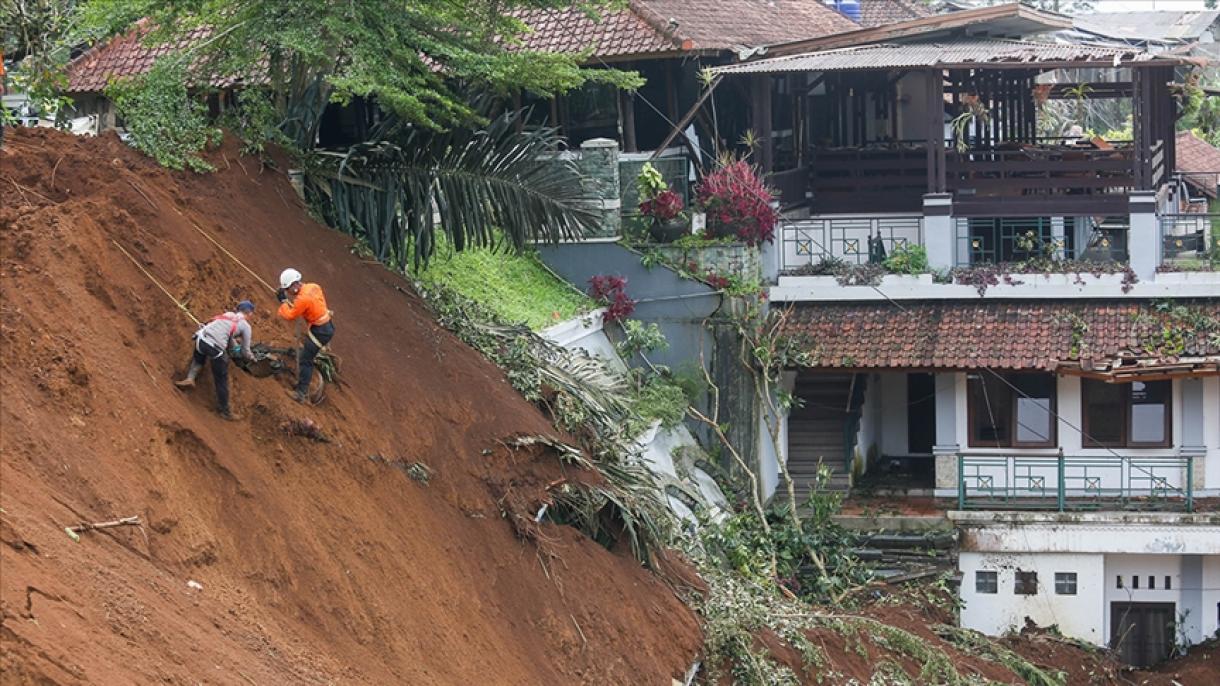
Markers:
point(846, 237)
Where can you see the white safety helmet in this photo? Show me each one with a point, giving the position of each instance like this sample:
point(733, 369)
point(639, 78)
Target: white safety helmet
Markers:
point(288, 277)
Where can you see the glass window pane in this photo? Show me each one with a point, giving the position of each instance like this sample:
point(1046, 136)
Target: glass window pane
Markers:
point(985, 582)
point(1065, 583)
point(1103, 410)
point(991, 411)
point(1149, 410)
point(1035, 422)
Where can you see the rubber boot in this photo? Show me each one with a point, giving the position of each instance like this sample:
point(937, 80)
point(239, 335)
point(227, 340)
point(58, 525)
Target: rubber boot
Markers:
point(189, 381)
point(297, 396)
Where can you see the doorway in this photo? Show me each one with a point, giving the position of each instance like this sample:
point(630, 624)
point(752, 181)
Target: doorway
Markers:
point(921, 413)
point(1142, 633)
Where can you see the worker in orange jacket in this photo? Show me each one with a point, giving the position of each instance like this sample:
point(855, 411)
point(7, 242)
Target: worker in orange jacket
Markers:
point(305, 301)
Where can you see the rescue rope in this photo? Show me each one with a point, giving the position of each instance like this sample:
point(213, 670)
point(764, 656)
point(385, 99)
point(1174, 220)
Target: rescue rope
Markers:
point(225, 250)
point(156, 283)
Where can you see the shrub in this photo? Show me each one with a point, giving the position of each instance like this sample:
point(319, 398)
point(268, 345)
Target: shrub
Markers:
point(907, 259)
point(665, 206)
point(611, 291)
point(738, 203)
point(165, 121)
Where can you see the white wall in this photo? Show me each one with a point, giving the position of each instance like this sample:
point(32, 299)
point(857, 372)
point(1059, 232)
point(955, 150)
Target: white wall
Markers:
point(1080, 616)
point(1209, 614)
point(1144, 566)
point(1211, 432)
point(894, 414)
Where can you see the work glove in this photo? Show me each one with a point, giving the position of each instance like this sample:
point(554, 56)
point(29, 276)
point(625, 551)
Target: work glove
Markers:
point(281, 295)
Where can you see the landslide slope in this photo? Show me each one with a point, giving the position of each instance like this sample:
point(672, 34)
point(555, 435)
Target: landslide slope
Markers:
point(317, 563)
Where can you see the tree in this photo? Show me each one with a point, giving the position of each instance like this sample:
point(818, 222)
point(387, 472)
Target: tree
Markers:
point(416, 60)
point(1210, 4)
point(410, 56)
point(32, 37)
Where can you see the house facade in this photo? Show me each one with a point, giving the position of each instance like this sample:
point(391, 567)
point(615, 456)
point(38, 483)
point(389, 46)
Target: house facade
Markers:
point(1051, 375)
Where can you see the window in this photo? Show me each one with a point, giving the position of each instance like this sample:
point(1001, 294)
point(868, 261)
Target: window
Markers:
point(1168, 583)
point(1120, 581)
point(1135, 415)
point(1135, 581)
point(985, 582)
point(1012, 411)
point(1026, 584)
point(1151, 583)
point(1065, 583)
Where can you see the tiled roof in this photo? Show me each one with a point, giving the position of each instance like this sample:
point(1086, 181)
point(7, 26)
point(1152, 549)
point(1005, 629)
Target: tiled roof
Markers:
point(881, 12)
point(614, 34)
point(1199, 161)
point(651, 26)
point(990, 333)
point(124, 55)
point(727, 24)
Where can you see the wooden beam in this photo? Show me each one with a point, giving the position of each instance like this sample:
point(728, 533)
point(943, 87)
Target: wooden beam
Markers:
point(935, 98)
point(626, 104)
point(760, 119)
point(690, 114)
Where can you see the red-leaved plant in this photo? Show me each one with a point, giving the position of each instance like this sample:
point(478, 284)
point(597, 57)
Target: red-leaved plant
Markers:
point(665, 206)
point(738, 203)
point(611, 291)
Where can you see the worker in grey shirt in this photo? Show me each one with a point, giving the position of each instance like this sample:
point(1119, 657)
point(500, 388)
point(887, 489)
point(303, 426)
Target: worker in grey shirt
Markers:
point(212, 342)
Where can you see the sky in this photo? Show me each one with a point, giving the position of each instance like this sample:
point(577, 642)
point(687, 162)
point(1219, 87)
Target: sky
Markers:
point(1136, 5)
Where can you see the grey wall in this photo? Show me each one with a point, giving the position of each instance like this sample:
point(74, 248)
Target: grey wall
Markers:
point(686, 312)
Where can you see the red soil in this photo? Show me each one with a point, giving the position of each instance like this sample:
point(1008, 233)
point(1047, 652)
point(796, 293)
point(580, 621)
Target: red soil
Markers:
point(317, 563)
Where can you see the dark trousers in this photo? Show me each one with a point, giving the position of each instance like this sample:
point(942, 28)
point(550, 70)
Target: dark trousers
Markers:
point(309, 351)
point(204, 352)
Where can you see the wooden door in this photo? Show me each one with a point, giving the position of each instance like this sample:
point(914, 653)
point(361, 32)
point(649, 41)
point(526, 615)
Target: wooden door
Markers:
point(1142, 633)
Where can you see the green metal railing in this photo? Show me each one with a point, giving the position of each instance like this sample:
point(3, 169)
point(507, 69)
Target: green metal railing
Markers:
point(1063, 483)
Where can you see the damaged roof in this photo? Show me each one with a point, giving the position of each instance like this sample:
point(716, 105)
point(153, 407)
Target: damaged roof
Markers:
point(883, 12)
point(948, 54)
point(1161, 26)
point(1053, 335)
point(1198, 161)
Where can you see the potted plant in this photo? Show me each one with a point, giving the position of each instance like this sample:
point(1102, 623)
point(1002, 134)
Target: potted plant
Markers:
point(738, 204)
point(660, 206)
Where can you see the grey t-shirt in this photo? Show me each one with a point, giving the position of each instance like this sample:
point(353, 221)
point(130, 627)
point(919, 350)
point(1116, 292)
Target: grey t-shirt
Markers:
point(220, 330)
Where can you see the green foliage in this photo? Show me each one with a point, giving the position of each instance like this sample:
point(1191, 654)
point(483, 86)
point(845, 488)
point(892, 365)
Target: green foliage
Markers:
point(36, 36)
point(165, 122)
point(649, 183)
point(482, 184)
point(907, 259)
point(742, 544)
point(255, 121)
point(514, 286)
point(409, 57)
point(657, 399)
point(640, 338)
point(584, 398)
point(975, 643)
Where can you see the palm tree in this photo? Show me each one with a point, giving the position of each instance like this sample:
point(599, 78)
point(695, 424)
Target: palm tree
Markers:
point(408, 182)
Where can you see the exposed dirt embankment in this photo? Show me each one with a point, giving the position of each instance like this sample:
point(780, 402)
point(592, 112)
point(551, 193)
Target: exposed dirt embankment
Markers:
point(317, 563)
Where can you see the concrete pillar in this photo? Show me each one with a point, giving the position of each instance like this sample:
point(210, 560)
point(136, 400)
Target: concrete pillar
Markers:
point(1192, 417)
point(1058, 237)
point(599, 165)
point(938, 235)
point(1191, 610)
point(1144, 238)
point(946, 447)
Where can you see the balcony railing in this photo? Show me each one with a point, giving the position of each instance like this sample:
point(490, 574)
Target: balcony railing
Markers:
point(1188, 238)
point(851, 239)
point(1062, 483)
point(991, 240)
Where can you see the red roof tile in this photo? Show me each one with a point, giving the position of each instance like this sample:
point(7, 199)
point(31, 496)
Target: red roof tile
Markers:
point(653, 26)
point(1200, 161)
point(613, 34)
point(991, 333)
point(123, 55)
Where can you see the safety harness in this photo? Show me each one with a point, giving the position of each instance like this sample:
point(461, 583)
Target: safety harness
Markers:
point(230, 317)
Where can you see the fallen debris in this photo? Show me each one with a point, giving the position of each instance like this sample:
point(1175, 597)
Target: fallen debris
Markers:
point(306, 428)
point(75, 531)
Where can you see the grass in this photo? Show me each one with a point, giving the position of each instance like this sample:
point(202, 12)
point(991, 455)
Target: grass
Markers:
point(517, 287)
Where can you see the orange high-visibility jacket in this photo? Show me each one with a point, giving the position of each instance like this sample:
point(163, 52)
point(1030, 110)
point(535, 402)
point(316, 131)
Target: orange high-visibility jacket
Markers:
point(308, 303)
